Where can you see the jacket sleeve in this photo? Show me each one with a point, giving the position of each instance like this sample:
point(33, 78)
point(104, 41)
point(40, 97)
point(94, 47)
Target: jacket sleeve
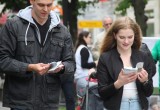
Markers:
point(68, 55)
point(84, 59)
point(8, 39)
point(106, 86)
point(151, 69)
point(144, 48)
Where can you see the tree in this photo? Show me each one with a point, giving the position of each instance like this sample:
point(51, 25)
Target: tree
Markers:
point(14, 5)
point(139, 11)
point(70, 16)
point(70, 9)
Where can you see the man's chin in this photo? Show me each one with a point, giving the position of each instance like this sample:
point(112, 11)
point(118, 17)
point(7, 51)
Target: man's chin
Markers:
point(44, 18)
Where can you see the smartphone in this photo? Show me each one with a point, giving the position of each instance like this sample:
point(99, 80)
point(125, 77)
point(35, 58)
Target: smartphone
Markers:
point(139, 66)
point(54, 66)
point(128, 70)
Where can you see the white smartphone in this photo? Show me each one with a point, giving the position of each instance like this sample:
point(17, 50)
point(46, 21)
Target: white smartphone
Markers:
point(128, 70)
point(54, 66)
point(139, 66)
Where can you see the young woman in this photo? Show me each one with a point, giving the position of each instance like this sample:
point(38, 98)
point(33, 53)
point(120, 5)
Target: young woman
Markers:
point(120, 48)
point(84, 62)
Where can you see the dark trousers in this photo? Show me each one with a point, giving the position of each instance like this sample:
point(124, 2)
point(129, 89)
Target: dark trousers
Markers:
point(68, 89)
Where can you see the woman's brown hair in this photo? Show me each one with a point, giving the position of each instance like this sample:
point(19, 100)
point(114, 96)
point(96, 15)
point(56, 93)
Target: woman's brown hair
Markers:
point(80, 39)
point(109, 41)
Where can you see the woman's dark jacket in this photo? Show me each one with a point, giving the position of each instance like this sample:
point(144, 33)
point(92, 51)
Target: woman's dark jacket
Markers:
point(20, 46)
point(109, 67)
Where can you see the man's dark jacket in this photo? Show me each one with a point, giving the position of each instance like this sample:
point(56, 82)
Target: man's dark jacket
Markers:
point(20, 46)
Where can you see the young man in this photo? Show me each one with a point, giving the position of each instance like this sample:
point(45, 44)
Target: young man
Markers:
point(28, 44)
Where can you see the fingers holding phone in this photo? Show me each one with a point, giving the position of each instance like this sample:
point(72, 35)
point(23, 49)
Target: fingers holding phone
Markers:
point(143, 75)
point(124, 78)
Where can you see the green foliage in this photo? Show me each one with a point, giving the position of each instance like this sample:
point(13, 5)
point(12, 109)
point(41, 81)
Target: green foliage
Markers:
point(82, 5)
point(146, 1)
point(124, 5)
point(14, 5)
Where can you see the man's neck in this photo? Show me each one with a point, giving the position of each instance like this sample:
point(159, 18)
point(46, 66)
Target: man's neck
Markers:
point(39, 21)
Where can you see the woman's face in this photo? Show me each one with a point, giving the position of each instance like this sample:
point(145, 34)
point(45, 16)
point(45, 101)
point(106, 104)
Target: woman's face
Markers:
point(88, 39)
point(125, 39)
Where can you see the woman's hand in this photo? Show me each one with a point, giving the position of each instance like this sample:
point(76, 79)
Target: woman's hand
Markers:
point(143, 76)
point(91, 71)
point(125, 79)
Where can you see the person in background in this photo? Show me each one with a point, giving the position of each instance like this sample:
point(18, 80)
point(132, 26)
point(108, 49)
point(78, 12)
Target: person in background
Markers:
point(107, 22)
point(84, 62)
point(29, 42)
point(156, 57)
point(120, 48)
point(154, 106)
point(86, 87)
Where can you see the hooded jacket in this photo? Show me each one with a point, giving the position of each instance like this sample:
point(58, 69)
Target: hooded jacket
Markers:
point(20, 45)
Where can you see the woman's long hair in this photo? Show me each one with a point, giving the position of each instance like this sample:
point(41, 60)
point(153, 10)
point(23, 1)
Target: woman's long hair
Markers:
point(80, 39)
point(109, 41)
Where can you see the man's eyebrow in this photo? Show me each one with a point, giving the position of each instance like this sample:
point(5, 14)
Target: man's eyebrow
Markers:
point(45, 4)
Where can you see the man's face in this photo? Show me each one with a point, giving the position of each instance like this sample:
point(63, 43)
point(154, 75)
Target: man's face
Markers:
point(41, 9)
point(107, 23)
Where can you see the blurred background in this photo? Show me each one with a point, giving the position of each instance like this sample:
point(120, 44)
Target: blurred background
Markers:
point(87, 15)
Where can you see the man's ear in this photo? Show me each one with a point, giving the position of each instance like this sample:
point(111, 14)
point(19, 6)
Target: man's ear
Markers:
point(32, 1)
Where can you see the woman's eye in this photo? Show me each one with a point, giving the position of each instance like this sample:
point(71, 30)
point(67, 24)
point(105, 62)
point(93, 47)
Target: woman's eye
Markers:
point(130, 37)
point(121, 37)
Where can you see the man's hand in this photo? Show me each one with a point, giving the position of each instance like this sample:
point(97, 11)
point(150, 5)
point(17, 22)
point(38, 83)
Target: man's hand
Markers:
point(39, 68)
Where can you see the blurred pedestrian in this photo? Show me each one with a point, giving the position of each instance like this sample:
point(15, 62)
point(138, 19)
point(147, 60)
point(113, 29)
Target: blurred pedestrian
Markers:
point(84, 62)
point(156, 57)
point(107, 22)
point(86, 87)
point(120, 48)
point(29, 42)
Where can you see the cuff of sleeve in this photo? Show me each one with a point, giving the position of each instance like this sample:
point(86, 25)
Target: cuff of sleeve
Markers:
point(145, 82)
point(23, 68)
